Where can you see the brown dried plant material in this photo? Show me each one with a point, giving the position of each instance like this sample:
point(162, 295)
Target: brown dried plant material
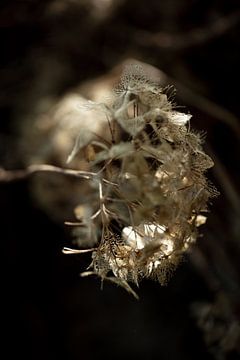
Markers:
point(150, 192)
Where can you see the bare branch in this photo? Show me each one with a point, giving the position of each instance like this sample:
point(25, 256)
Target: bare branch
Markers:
point(14, 175)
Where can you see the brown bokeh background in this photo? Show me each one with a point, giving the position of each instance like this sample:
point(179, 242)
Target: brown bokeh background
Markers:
point(51, 50)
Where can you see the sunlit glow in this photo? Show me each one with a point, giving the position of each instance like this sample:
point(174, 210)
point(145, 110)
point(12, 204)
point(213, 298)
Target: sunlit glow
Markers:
point(138, 237)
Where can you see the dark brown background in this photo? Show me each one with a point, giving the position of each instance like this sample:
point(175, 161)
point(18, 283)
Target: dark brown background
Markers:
point(48, 47)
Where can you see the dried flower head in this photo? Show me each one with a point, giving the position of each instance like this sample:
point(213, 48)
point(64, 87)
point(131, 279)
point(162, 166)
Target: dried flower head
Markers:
point(149, 192)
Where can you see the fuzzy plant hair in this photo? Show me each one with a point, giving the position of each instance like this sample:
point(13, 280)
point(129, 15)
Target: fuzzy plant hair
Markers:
point(149, 192)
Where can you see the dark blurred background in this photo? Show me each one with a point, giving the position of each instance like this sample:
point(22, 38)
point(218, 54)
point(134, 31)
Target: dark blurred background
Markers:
point(50, 50)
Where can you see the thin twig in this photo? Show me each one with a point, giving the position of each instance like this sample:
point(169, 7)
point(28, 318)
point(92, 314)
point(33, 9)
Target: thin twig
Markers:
point(68, 251)
point(14, 175)
point(83, 223)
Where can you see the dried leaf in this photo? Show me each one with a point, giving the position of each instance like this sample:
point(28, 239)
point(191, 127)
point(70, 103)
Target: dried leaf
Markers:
point(117, 151)
point(82, 140)
point(178, 118)
point(123, 284)
point(132, 125)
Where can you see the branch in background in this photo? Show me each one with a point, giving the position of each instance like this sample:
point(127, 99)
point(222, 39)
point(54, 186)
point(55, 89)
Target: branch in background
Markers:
point(195, 37)
point(209, 107)
point(225, 181)
point(193, 98)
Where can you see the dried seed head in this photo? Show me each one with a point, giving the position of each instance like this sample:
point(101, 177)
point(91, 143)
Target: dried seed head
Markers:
point(151, 189)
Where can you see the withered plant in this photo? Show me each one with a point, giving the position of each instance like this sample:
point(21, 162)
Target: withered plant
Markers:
point(147, 187)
